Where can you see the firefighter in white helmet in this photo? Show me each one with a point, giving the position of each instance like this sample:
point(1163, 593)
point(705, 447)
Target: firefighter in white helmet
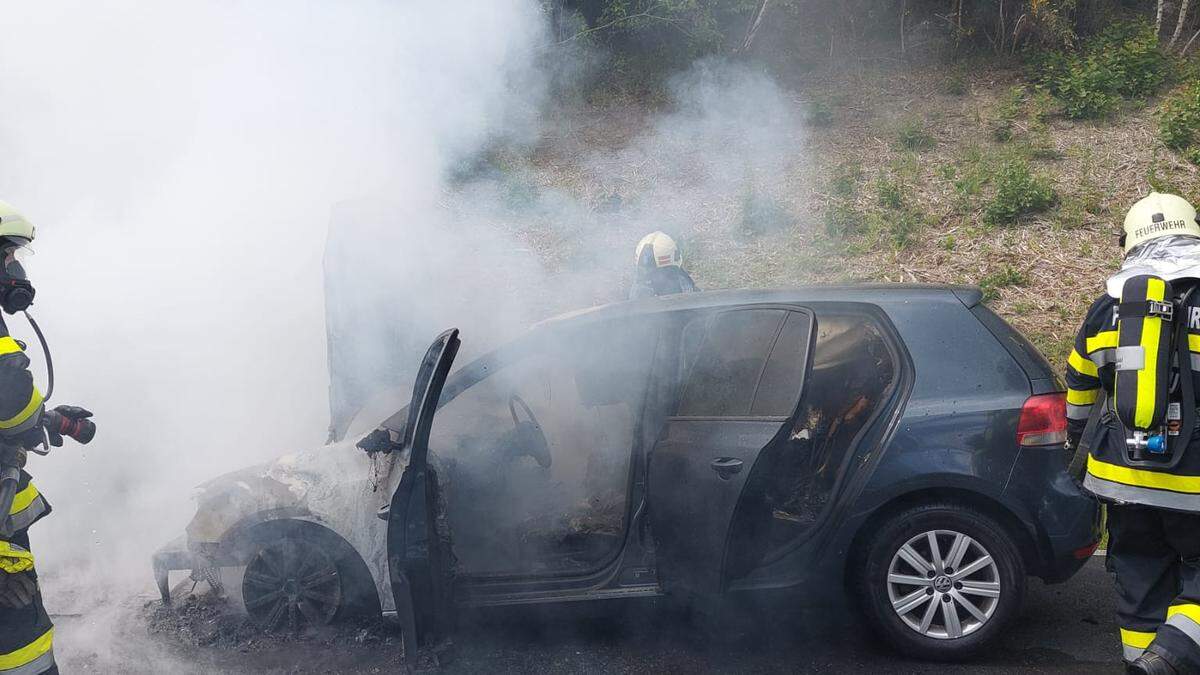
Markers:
point(1132, 380)
point(26, 633)
point(659, 268)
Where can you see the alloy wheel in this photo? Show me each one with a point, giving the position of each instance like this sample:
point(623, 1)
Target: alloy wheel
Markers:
point(943, 584)
point(289, 584)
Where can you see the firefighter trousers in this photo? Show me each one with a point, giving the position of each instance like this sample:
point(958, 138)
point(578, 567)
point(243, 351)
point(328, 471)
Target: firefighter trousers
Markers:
point(26, 634)
point(1154, 557)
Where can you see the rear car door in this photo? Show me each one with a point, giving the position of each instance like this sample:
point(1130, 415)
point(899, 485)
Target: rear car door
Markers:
point(743, 371)
point(417, 564)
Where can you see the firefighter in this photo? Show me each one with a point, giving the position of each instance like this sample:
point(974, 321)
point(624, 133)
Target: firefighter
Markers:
point(659, 268)
point(1124, 392)
point(26, 632)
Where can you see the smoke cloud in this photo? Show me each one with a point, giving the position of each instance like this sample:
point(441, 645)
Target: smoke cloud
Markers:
point(183, 160)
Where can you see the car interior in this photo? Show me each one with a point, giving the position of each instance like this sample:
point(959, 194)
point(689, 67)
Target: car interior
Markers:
point(534, 458)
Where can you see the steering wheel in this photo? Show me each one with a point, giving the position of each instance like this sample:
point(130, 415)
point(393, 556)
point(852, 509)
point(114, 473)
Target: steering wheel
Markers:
point(529, 432)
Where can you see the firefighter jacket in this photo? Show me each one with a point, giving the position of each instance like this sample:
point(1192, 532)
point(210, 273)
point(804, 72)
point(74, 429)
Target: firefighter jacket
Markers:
point(20, 415)
point(1091, 369)
point(26, 633)
point(660, 281)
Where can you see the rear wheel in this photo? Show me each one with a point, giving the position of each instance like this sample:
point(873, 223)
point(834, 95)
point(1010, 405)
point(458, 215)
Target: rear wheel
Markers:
point(940, 581)
point(291, 583)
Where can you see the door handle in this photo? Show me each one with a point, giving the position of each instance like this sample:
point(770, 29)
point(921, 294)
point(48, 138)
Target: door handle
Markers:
point(726, 466)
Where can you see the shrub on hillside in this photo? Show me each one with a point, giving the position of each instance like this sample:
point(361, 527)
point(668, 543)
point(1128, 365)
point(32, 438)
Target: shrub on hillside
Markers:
point(842, 220)
point(1179, 121)
point(912, 135)
point(1005, 277)
point(1124, 61)
point(1019, 192)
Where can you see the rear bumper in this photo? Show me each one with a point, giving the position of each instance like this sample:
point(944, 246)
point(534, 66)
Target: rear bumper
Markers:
point(1066, 521)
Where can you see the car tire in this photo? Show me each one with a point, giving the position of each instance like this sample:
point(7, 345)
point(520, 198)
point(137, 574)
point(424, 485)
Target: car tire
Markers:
point(345, 590)
point(914, 597)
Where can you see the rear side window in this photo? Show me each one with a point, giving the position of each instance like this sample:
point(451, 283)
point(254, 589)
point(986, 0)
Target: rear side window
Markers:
point(750, 363)
point(780, 385)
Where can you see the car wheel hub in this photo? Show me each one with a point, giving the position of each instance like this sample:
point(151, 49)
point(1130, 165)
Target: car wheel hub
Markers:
point(289, 584)
point(943, 584)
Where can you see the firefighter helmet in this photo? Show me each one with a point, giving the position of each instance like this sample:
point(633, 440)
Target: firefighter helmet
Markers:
point(1159, 215)
point(658, 249)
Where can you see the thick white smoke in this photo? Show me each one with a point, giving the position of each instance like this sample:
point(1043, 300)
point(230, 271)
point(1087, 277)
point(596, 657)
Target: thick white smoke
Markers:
point(182, 159)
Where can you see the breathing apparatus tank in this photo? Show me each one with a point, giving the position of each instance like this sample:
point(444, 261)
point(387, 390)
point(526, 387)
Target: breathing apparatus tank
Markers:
point(1153, 394)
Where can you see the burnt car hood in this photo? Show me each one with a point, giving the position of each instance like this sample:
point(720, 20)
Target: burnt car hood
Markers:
point(337, 485)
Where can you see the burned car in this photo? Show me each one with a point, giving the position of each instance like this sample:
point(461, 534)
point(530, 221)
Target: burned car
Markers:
point(899, 443)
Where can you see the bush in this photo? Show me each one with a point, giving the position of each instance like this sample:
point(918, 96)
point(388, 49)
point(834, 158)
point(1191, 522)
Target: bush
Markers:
point(1179, 120)
point(844, 183)
point(1124, 61)
point(842, 219)
point(889, 193)
point(902, 225)
point(1019, 192)
point(1003, 278)
point(818, 113)
point(912, 135)
point(1007, 113)
point(763, 214)
point(955, 84)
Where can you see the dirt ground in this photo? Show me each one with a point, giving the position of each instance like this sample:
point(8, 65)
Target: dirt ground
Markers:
point(1067, 628)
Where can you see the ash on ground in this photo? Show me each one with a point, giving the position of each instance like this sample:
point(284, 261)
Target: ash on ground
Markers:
point(209, 620)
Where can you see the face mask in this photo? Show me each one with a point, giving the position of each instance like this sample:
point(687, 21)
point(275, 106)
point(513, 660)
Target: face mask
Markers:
point(16, 293)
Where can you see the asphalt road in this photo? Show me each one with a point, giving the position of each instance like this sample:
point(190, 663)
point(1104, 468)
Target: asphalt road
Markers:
point(1067, 628)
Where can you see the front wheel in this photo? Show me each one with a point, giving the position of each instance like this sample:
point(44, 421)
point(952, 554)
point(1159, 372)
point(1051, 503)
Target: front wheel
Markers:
point(291, 583)
point(940, 581)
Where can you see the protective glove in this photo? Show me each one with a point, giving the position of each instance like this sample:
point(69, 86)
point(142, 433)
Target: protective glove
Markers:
point(17, 590)
point(70, 420)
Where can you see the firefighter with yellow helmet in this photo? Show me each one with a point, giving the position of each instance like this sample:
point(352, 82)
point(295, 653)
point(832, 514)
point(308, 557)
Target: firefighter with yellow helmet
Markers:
point(659, 268)
point(1132, 383)
point(26, 633)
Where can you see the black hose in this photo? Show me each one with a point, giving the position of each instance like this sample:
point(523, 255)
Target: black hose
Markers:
point(46, 351)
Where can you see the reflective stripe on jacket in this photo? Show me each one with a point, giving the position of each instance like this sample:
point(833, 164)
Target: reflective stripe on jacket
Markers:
point(33, 658)
point(28, 506)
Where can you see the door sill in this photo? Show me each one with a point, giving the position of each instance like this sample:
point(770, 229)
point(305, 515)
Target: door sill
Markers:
point(644, 591)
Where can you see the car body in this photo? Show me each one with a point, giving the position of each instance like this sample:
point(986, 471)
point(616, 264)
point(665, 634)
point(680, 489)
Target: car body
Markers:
point(697, 445)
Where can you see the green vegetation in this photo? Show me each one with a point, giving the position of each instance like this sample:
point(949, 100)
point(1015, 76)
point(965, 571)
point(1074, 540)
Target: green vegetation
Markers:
point(1005, 277)
point(1179, 121)
point(955, 84)
point(1122, 62)
point(912, 135)
point(1019, 192)
point(842, 220)
point(763, 214)
point(1007, 112)
point(889, 193)
point(818, 113)
point(846, 177)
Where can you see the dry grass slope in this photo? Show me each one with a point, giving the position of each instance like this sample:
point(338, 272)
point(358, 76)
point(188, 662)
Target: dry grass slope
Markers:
point(1040, 273)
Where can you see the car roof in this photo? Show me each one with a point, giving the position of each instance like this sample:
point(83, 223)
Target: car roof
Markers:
point(869, 293)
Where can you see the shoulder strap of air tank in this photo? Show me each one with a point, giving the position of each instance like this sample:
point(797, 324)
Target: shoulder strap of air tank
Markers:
point(1187, 386)
point(1091, 431)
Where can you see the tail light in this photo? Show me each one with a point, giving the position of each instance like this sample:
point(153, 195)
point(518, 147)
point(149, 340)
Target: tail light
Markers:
point(1043, 420)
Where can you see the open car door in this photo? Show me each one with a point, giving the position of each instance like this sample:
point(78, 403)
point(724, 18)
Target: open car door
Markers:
point(740, 392)
point(417, 556)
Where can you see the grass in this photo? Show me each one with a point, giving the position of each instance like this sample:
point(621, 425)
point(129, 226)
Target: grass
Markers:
point(1006, 277)
point(925, 197)
point(912, 135)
